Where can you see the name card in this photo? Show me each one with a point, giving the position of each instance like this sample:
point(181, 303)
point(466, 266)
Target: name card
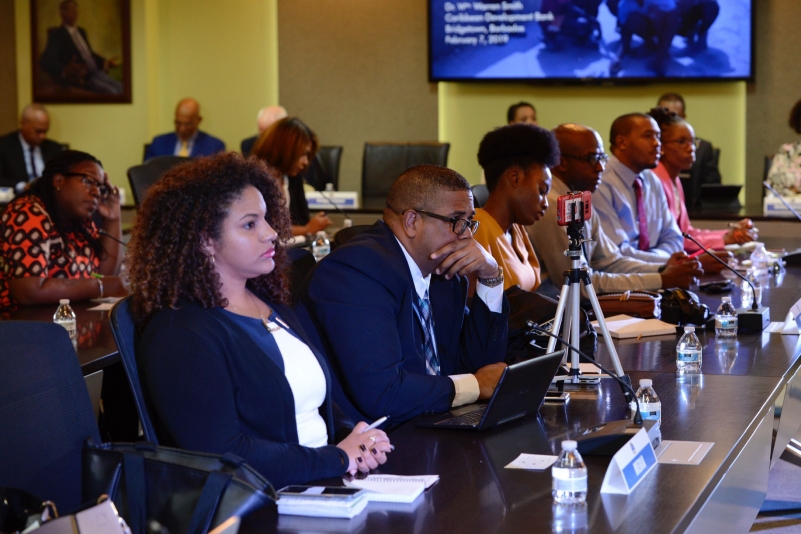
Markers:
point(345, 200)
point(630, 465)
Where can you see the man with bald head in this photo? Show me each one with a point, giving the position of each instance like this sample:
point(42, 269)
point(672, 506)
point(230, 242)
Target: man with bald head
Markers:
point(187, 140)
point(630, 201)
point(580, 168)
point(24, 152)
point(264, 119)
point(391, 304)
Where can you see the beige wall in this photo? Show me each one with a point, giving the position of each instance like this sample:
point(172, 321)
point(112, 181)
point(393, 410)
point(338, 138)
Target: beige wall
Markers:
point(356, 71)
point(468, 111)
point(179, 48)
point(8, 68)
point(777, 86)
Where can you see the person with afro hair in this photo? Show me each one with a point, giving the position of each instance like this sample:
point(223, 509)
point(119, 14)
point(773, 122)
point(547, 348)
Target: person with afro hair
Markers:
point(515, 160)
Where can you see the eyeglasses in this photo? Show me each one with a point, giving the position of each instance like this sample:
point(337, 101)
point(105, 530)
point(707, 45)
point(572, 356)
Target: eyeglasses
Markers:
point(590, 159)
point(89, 182)
point(683, 142)
point(459, 225)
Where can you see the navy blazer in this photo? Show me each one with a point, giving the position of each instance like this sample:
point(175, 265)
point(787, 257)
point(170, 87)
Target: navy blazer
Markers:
point(164, 145)
point(12, 158)
point(361, 296)
point(212, 388)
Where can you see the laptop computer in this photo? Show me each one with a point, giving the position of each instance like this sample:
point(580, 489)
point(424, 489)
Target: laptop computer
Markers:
point(519, 392)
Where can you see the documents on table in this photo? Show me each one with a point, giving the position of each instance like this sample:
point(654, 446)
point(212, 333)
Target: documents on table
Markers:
point(682, 452)
point(105, 303)
point(392, 488)
point(532, 462)
point(625, 327)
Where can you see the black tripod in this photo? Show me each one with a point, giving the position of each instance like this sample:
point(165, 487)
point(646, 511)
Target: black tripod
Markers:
point(568, 310)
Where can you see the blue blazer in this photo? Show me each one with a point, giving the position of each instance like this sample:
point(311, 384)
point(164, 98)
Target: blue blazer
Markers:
point(361, 296)
point(164, 145)
point(212, 388)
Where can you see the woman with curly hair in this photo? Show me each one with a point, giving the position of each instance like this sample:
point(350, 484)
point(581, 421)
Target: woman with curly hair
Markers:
point(678, 154)
point(785, 169)
point(226, 364)
point(50, 247)
point(289, 145)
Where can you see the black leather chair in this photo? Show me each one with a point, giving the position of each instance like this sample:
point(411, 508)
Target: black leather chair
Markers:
point(45, 411)
point(342, 236)
point(141, 177)
point(324, 169)
point(122, 328)
point(383, 162)
point(480, 195)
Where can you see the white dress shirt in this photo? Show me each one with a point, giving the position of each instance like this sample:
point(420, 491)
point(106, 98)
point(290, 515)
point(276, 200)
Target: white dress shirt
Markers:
point(38, 160)
point(466, 385)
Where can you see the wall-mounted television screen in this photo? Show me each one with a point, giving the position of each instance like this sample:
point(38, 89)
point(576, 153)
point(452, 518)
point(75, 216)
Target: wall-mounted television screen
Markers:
point(590, 40)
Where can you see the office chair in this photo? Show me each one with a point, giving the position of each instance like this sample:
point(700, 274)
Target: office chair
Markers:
point(345, 234)
point(384, 162)
point(46, 412)
point(122, 327)
point(480, 195)
point(301, 262)
point(324, 168)
point(141, 177)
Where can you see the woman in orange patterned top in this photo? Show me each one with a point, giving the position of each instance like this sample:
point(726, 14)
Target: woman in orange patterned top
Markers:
point(50, 248)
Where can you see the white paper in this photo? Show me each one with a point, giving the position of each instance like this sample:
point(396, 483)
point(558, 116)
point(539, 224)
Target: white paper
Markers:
point(102, 307)
point(624, 327)
point(682, 452)
point(535, 462)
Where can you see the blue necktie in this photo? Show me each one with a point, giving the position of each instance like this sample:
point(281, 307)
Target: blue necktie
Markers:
point(424, 310)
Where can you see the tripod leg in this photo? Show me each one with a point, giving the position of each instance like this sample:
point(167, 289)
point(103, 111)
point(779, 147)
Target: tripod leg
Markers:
point(610, 347)
point(575, 329)
point(557, 320)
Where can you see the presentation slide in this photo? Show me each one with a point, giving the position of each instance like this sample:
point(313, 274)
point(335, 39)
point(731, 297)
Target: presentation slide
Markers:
point(590, 39)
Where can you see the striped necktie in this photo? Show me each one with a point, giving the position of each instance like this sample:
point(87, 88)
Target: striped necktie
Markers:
point(424, 312)
point(642, 217)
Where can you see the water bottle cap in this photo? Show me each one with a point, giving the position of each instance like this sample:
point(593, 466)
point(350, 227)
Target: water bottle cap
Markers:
point(646, 382)
point(689, 329)
point(64, 301)
point(725, 299)
point(569, 445)
point(321, 233)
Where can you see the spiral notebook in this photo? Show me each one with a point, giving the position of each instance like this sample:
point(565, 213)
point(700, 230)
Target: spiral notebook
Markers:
point(393, 488)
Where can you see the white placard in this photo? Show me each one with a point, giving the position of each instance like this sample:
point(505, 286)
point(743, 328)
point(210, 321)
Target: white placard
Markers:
point(534, 462)
point(324, 201)
point(630, 465)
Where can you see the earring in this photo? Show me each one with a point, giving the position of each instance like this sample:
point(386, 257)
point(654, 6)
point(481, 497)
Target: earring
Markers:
point(212, 259)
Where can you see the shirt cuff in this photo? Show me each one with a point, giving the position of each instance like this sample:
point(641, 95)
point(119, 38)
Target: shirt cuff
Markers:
point(466, 387)
point(492, 296)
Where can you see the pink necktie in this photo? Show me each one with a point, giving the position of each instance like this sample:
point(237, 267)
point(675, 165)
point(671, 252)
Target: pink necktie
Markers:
point(642, 218)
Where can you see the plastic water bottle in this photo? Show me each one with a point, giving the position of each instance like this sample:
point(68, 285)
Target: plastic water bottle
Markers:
point(321, 246)
point(650, 405)
point(726, 320)
point(747, 294)
point(689, 352)
point(569, 476)
point(65, 317)
point(760, 260)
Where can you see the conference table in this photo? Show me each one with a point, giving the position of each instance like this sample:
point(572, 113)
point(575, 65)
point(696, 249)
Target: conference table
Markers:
point(732, 403)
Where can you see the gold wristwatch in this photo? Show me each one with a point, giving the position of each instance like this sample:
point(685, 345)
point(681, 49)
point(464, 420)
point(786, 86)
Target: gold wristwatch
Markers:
point(492, 282)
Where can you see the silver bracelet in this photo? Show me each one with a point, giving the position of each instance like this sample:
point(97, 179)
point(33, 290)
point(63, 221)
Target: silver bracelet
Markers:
point(100, 283)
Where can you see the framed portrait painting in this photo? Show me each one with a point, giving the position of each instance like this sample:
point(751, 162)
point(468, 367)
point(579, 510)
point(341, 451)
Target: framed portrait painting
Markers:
point(81, 51)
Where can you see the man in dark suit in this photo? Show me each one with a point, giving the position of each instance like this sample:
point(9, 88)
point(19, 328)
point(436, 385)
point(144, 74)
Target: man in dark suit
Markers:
point(24, 152)
point(705, 169)
point(186, 140)
point(266, 118)
point(391, 304)
point(69, 59)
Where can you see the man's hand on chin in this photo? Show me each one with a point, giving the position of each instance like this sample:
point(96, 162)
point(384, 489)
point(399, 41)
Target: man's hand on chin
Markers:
point(463, 257)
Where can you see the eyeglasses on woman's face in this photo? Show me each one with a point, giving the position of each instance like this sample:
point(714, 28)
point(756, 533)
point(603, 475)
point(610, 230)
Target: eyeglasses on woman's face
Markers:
point(90, 182)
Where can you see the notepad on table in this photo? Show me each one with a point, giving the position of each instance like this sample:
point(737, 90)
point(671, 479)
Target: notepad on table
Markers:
point(393, 488)
point(626, 327)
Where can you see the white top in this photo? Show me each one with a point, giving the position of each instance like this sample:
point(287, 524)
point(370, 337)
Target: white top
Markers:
point(725, 299)
point(569, 445)
point(689, 329)
point(466, 385)
point(646, 382)
point(38, 159)
point(306, 378)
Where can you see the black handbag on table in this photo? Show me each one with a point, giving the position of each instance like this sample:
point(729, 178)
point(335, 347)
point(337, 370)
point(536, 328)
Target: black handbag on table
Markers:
point(183, 491)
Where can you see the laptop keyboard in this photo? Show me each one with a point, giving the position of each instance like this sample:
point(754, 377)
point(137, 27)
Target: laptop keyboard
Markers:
point(467, 419)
